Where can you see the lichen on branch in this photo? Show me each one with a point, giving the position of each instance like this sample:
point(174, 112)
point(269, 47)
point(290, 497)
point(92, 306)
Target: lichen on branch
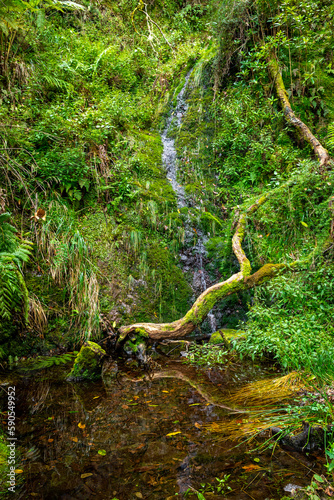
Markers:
point(305, 132)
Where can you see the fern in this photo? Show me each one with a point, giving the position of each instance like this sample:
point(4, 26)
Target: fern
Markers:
point(57, 83)
point(13, 253)
point(43, 362)
point(330, 140)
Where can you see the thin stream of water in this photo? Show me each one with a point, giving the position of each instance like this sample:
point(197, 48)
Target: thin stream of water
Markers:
point(169, 159)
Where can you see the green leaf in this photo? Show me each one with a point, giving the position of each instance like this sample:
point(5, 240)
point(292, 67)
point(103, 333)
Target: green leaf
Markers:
point(77, 195)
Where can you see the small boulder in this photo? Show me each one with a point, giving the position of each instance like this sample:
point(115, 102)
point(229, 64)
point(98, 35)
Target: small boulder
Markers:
point(88, 363)
point(217, 338)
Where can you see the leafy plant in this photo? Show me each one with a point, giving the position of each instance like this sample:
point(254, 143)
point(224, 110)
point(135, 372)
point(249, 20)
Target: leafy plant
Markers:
point(206, 355)
point(330, 458)
point(290, 322)
point(330, 139)
point(221, 489)
point(14, 18)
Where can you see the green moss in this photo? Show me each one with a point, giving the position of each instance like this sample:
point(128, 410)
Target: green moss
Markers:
point(201, 309)
point(265, 272)
point(3, 464)
point(87, 364)
point(230, 333)
point(132, 346)
point(151, 176)
point(216, 338)
point(166, 294)
point(142, 332)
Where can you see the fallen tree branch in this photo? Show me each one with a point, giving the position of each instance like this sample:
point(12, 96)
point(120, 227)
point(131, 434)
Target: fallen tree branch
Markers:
point(241, 281)
point(204, 387)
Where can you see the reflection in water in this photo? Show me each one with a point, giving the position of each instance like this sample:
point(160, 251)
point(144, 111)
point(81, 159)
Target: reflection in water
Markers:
point(133, 436)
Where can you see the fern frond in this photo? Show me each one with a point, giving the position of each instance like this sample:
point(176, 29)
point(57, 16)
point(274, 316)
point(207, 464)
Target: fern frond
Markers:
point(10, 289)
point(330, 139)
point(13, 253)
point(99, 57)
point(58, 83)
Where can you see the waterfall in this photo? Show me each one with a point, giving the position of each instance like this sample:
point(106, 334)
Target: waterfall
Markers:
point(169, 159)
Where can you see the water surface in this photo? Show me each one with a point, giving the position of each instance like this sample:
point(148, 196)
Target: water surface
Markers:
point(127, 438)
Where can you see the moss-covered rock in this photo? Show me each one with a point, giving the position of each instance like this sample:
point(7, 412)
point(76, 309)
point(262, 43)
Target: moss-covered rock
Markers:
point(88, 363)
point(226, 336)
point(231, 334)
point(217, 338)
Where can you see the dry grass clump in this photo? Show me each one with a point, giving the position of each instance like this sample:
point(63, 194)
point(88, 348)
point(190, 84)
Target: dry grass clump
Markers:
point(261, 402)
point(37, 315)
point(67, 255)
point(269, 391)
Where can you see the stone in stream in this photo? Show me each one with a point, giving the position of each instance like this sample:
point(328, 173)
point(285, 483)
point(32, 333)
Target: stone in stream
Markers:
point(320, 489)
point(309, 440)
point(88, 363)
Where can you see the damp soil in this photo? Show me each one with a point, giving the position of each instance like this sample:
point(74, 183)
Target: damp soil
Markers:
point(139, 435)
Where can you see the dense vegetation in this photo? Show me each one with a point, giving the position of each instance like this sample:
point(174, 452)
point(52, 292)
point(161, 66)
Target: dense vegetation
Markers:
point(90, 229)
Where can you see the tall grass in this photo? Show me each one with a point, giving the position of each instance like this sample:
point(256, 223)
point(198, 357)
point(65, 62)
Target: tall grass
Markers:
point(67, 253)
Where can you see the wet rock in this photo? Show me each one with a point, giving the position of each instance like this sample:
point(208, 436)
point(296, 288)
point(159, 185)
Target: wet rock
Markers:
point(136, 347)
point(319, 489)
point(124, 308)
point(88, 363)
point(309, 440)
point(291, 488)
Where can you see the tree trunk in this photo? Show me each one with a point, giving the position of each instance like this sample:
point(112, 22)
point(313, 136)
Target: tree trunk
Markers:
point(305, 132)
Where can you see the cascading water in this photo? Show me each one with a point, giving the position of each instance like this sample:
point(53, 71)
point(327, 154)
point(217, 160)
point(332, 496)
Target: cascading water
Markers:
point(169, 158)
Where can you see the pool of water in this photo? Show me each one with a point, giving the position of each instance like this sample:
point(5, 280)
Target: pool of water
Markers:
point(127, 437)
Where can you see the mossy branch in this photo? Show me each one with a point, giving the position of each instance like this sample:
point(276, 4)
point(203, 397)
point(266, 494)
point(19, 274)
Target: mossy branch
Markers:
point(305, 132)
point(241, 281)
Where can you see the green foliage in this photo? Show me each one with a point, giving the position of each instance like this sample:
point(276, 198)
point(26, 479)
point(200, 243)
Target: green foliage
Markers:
point(291, 322)
point(251, 142)
point(221, 489)
point(190, 18)
point(13, 253)
point(330, 140)
point(206, 355)
point(330, 458)
point(43, 362)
